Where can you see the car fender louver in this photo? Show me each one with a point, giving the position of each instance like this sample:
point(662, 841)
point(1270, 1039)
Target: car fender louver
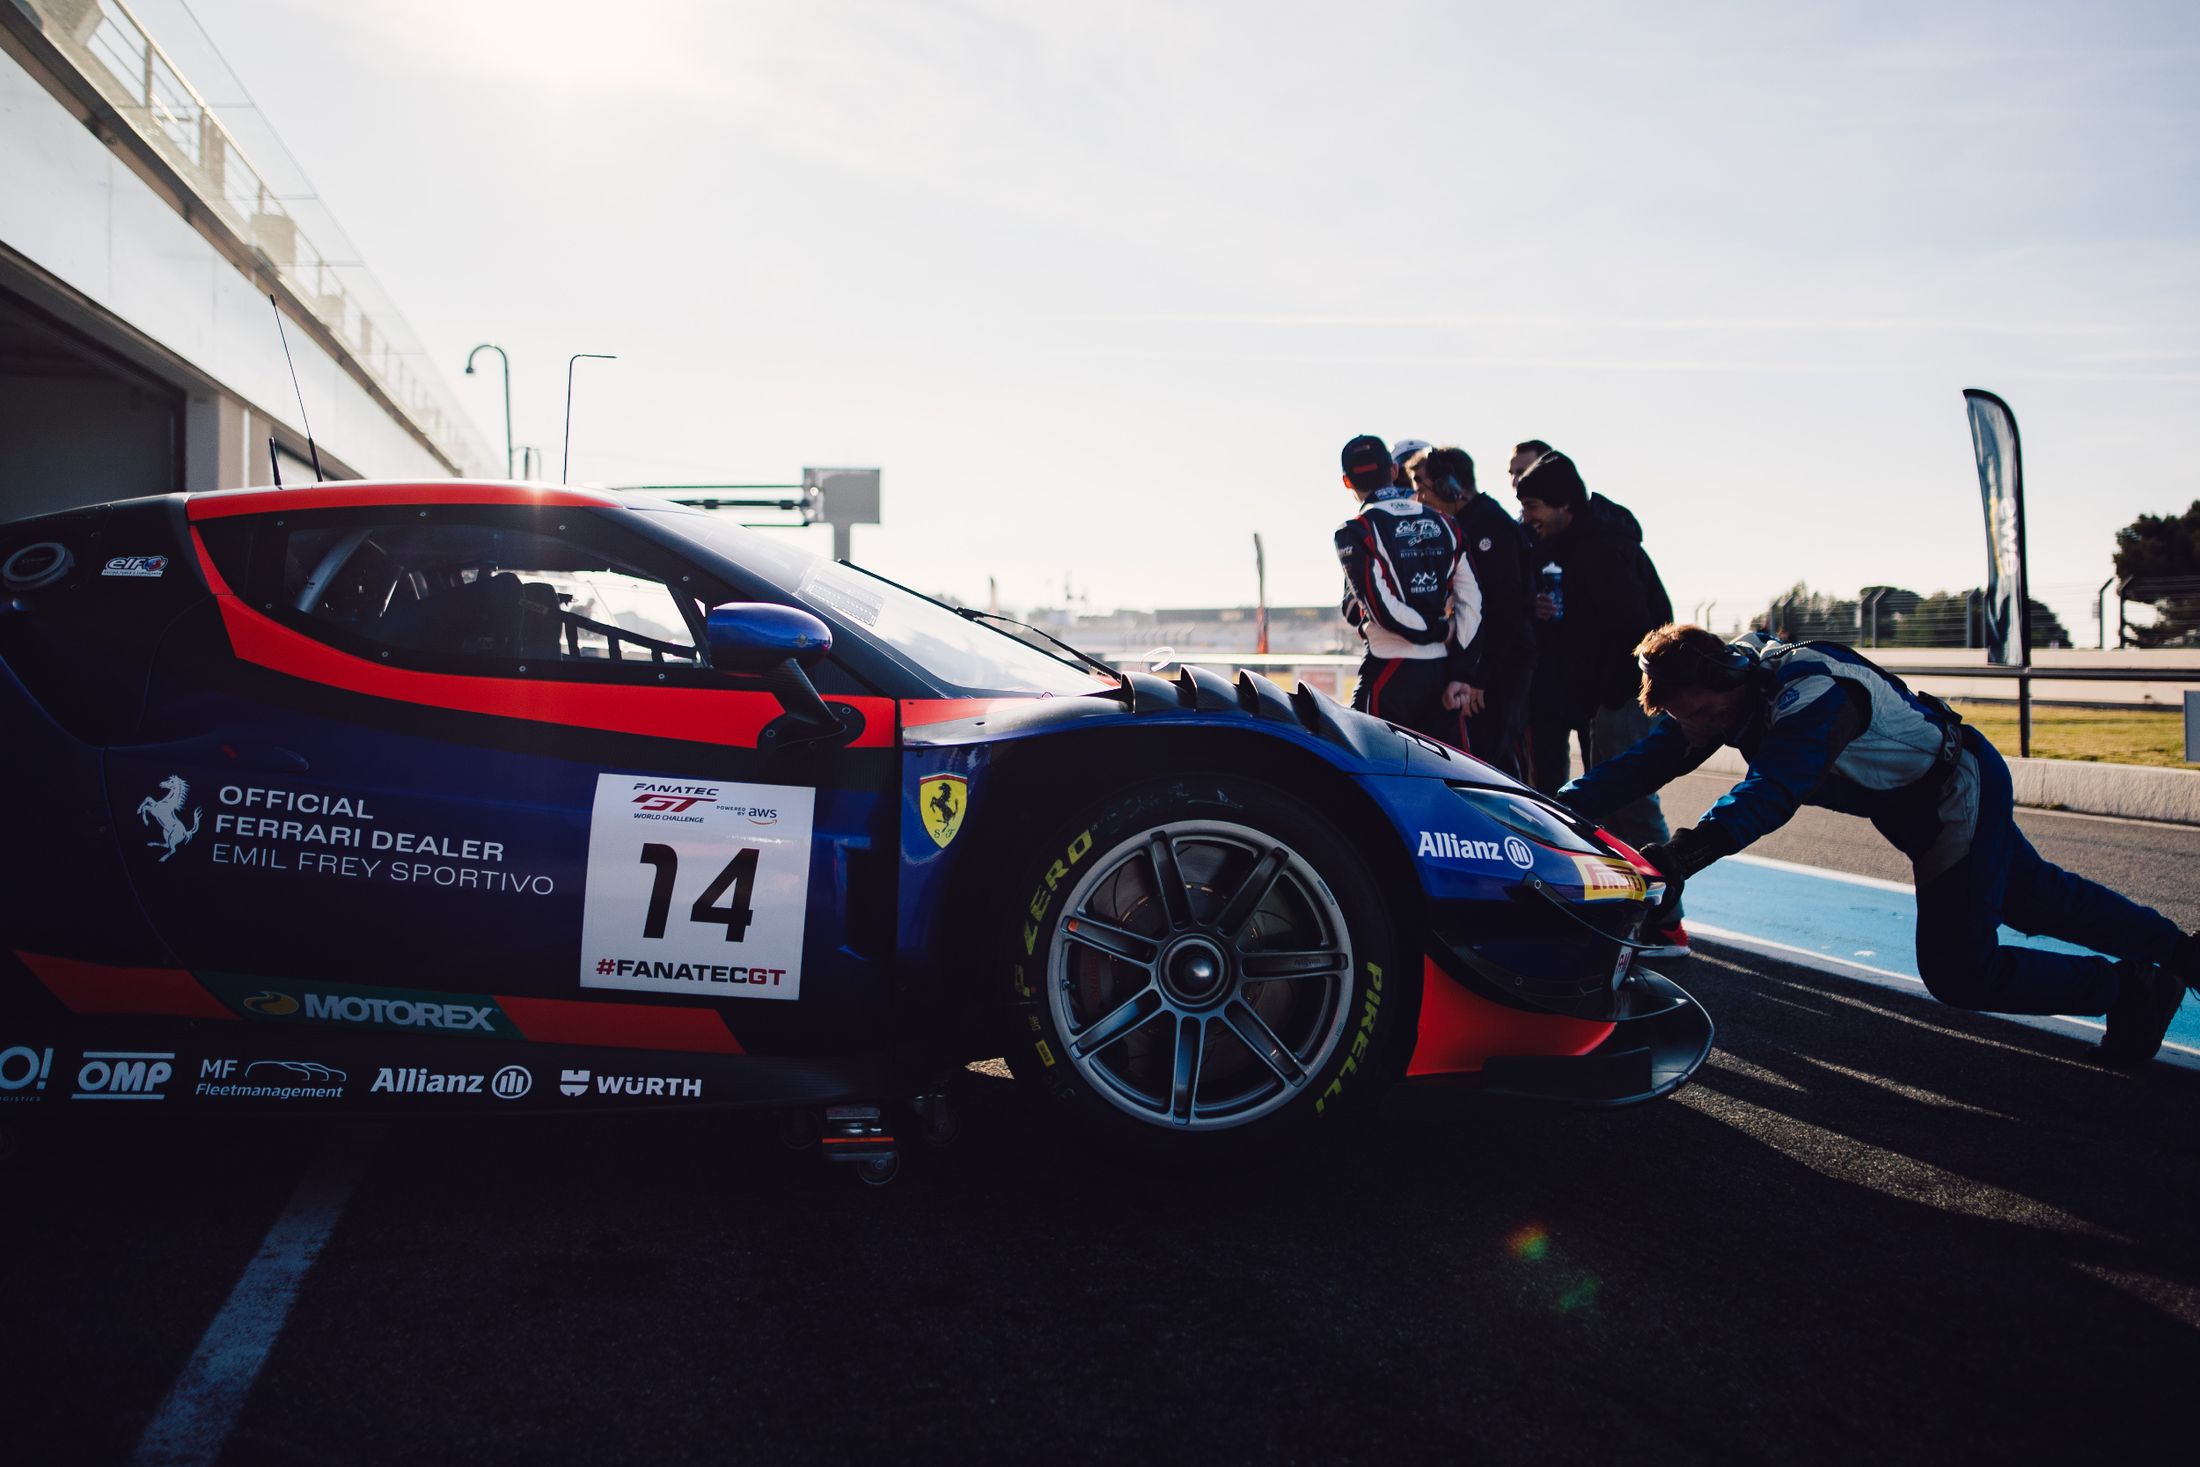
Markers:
point(1263, 699)
point(1198, 688)
point(1317, 713)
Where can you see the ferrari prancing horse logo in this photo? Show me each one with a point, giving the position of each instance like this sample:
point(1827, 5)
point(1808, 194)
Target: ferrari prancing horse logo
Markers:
point(943, 798)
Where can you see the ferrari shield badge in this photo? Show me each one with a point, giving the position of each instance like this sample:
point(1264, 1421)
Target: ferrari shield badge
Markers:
point(943, 798)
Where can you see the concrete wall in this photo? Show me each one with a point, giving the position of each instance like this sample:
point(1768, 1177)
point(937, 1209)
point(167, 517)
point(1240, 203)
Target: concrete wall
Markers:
point(108, 251)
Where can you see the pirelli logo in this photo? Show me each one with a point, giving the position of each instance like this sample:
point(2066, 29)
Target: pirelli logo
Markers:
point(1608, 879)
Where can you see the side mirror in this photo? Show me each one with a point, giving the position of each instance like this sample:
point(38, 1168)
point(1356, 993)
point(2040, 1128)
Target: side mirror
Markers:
point(779, 643)
point(756, 636)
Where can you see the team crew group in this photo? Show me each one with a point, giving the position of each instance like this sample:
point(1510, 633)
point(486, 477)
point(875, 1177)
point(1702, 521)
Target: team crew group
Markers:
point(1507, 638)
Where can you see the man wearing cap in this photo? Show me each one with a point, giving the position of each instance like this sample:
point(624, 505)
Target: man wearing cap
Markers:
point(1502, 654)
point(1607, 599)
point(1411, 593)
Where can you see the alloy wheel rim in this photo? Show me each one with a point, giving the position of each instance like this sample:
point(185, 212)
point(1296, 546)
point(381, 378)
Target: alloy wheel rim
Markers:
point(1199, 975)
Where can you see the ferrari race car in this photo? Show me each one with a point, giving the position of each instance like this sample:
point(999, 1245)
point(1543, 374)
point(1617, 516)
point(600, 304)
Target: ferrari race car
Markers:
point(387, 797)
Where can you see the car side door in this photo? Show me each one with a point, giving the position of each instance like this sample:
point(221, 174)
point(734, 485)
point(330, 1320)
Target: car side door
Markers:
point(468, 766)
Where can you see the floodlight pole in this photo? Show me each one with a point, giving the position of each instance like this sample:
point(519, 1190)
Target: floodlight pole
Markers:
point(565, 464)
point(477, 351)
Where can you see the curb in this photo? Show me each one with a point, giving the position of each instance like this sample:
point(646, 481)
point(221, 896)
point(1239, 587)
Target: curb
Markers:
point(2128, 791)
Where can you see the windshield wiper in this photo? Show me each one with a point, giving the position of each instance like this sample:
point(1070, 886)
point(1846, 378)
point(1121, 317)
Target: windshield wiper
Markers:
point(970, 614)
point(973, 614)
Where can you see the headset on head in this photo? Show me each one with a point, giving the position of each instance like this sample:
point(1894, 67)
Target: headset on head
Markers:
point(1721, 672)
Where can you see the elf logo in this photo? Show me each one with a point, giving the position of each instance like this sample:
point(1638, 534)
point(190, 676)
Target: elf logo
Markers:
point(147, 566)
point(116, 1074)
point(24, 1072)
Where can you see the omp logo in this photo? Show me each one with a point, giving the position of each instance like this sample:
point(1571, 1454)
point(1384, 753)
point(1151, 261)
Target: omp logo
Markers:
point(512, 1082)
point(271, 1004)
point(123, 1074)
point(23, 1068)
point(669, 804)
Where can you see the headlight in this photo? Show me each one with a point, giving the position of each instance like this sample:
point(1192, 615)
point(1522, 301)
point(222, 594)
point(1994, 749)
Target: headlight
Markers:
point(1525, 815)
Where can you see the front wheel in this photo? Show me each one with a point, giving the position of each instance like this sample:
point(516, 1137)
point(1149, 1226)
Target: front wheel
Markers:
point(1205, 968)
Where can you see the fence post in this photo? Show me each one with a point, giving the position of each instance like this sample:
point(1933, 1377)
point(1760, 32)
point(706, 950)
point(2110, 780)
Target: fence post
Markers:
point(2024, 712)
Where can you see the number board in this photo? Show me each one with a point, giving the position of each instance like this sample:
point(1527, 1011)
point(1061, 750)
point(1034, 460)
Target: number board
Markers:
point(697, 887)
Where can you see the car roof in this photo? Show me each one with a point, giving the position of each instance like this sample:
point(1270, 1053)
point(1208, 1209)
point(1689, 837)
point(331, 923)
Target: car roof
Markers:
point(350, 493)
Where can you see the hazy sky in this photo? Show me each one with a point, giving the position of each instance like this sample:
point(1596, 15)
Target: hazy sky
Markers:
point(1104, 287)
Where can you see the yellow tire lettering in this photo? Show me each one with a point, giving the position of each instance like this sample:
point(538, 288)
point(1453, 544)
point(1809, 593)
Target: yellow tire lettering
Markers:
point(1046, 1055)
point(1361, 1038)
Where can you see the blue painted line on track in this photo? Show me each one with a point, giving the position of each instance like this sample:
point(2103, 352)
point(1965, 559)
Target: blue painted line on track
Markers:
point(1846, 920)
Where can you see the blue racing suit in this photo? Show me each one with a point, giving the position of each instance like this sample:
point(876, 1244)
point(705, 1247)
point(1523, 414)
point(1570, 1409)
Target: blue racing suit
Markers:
point(1826, 727)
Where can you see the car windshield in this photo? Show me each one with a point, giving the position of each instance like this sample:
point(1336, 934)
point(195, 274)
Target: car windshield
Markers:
point(969, 656)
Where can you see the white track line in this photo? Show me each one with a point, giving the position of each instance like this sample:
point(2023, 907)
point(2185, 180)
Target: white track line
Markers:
point(193, 1423)
point(1876, 883)
point(2173, 1053)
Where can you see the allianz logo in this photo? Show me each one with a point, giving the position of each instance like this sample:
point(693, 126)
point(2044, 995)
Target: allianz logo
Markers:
point(1444, 845)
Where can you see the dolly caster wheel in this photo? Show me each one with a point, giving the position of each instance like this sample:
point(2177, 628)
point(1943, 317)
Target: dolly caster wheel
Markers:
point(877, 1171)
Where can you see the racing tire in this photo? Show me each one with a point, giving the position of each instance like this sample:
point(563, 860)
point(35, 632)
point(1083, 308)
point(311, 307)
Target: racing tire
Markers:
point(1201, 969)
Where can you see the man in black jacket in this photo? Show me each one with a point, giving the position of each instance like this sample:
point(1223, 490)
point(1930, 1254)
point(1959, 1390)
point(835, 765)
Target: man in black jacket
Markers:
point(1501, 659)
point(1607, 598)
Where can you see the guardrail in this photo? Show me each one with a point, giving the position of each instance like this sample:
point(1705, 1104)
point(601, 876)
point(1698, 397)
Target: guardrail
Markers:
point(1334, 664)
point(2024, 677)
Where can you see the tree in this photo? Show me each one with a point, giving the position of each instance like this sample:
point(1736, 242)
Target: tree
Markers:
point(1803, 615)
point(2158, 559)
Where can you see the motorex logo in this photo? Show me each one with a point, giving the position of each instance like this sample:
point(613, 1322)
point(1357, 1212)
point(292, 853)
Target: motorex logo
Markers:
point(371, 1008)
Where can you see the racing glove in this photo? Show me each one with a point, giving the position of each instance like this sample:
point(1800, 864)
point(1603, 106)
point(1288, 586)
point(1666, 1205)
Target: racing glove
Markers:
point(1688, 852)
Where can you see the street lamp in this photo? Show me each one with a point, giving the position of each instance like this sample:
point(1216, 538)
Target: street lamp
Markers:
point(477, 351)
point(565, 464)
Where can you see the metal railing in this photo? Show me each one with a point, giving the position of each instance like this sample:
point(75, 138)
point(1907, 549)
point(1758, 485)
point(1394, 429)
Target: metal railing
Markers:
point(131, 71)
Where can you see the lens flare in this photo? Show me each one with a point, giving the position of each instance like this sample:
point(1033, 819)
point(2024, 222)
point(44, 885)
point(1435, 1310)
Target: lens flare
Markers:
point(1529, 1241)
point(1580, 1296)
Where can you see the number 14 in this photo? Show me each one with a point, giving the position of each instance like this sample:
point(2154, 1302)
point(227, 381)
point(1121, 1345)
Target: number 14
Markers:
point(740, 874)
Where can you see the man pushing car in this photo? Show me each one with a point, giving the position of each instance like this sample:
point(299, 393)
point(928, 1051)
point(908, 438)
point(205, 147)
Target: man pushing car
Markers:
point(1821, 725)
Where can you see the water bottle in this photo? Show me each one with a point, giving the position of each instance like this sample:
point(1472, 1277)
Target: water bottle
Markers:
point(1551, 582)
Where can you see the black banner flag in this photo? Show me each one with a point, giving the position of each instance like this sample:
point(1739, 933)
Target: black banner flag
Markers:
point(2001, 491)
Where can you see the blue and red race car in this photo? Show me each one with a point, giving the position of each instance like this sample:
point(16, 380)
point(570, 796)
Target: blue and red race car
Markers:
point(383, 797)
